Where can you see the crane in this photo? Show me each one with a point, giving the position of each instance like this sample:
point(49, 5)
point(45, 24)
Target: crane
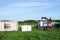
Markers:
point(48, 23)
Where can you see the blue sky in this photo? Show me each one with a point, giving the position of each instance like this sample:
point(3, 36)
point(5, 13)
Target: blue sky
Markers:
point(29, 9)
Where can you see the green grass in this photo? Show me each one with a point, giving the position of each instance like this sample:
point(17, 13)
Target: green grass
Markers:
point(35, 34)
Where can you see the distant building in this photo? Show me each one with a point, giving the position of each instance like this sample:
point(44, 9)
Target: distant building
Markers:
point(7, 25)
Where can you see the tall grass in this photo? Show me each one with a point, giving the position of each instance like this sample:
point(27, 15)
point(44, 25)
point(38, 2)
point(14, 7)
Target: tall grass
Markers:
point(35, 34)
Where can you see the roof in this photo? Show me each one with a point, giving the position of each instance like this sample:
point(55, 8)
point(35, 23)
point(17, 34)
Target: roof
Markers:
point(8, 21)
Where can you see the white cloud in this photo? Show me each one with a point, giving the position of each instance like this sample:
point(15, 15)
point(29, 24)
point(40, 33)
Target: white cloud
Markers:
point(22, 5)
point(31, 4)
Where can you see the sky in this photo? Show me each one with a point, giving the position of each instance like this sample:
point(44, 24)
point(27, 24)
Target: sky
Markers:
point(29, 9)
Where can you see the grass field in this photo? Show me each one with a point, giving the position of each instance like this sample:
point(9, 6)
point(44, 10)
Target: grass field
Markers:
point(35, 34)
